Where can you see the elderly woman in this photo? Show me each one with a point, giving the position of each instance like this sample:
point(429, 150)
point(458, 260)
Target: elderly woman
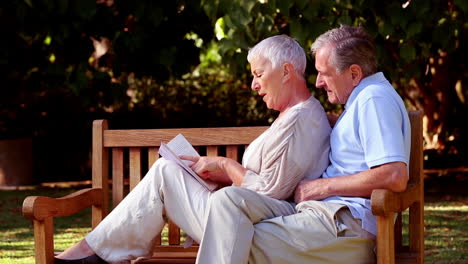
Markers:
point(295, 147)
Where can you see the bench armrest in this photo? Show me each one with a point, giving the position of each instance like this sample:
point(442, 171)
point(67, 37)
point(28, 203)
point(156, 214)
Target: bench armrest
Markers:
point(385, 202)
point(40, 207)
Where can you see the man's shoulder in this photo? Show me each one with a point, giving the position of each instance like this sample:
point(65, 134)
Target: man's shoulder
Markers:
point(376, 89)
point(384, 93)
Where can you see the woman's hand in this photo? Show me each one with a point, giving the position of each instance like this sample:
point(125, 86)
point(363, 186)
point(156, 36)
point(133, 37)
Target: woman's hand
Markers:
point(209, 168)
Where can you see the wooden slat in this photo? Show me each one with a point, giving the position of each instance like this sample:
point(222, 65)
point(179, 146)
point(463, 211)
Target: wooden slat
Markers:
point(416, 157)
point(135, 167)
point(172, 254)
point(174, 234)
point(153, 155)
point(117, 176)
point(416, 211)
point(100, 170)
point(196, 136)
point(212, 151)
point(170, 251)
point(232, 152)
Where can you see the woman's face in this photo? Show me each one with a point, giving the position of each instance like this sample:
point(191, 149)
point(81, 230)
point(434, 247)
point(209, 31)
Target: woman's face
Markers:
point(268, 82)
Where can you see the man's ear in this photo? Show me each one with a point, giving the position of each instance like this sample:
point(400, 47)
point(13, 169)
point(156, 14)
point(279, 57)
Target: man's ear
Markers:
point(288, 71)
point(356, 74)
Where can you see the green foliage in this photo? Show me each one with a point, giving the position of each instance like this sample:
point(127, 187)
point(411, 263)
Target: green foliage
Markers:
point(183, 63)
point(419, 48)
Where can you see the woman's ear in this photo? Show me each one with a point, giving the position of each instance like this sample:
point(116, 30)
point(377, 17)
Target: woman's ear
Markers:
point(356, 74)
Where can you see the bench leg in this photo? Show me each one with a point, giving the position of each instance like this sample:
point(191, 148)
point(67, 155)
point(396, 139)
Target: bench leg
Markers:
point(44, 240)
point(385, 240)
point(416, 230)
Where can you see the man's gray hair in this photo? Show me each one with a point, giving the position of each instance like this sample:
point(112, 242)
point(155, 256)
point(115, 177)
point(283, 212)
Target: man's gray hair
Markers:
point(350, 45)
point(279, 50)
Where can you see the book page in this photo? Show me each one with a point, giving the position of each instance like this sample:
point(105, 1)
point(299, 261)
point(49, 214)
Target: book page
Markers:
point(180, 146)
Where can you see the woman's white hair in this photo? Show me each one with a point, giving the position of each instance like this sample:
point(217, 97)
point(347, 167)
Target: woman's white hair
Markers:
point(279, 50)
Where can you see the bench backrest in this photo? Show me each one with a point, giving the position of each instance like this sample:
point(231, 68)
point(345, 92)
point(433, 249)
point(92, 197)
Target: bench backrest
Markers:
point(124, 156)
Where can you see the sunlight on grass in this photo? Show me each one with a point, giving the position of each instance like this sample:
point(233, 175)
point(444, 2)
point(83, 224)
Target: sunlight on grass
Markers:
point(442, 208)
point(68, 237)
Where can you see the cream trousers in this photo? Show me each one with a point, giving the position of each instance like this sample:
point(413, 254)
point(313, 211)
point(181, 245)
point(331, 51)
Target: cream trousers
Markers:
point(129, 230)
point(235, 225)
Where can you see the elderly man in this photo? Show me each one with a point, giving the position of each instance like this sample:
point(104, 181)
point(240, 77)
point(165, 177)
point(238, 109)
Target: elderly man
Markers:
point(333, 222)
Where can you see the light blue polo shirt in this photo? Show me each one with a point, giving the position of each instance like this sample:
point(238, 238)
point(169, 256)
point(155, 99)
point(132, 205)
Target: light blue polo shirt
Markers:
point(374, 129)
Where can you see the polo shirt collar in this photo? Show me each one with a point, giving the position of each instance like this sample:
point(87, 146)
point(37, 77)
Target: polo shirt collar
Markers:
point(372, 79)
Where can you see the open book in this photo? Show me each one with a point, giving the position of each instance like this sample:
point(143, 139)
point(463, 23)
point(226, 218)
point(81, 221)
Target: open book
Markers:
point(179, 146)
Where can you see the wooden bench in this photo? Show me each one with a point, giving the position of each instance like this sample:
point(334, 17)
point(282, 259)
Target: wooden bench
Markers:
point(121, 156)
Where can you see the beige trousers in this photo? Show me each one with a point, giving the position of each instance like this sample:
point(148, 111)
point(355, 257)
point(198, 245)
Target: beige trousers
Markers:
point(235, 225)
point(245, 227)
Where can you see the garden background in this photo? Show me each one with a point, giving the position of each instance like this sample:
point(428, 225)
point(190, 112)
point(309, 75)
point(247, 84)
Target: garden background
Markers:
point(160, 64)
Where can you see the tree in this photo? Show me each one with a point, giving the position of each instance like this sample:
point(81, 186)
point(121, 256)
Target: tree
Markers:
point(419, 47)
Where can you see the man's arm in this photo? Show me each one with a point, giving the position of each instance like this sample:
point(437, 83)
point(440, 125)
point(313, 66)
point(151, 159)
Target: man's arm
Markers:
point(391, 176)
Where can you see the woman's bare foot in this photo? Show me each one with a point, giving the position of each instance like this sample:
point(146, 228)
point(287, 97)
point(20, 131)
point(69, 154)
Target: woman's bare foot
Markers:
point(77, 251)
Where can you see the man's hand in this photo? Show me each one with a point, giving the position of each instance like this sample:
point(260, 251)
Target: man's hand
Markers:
point(311, 190)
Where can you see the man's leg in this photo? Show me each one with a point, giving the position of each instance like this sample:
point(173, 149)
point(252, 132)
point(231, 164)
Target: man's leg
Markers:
point(316, 235)
point(230, 220)
point(130, 229)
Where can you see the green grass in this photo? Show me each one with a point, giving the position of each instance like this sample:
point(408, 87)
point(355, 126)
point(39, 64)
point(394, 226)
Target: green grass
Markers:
point(446, 229)
point(446, 232)
point(16, 237)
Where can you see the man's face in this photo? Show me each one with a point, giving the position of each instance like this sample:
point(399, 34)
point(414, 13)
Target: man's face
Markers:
point(267, 81)
point(337, 86)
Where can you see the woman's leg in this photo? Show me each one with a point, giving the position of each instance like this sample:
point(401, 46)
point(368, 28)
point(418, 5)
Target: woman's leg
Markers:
point(130, 229)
